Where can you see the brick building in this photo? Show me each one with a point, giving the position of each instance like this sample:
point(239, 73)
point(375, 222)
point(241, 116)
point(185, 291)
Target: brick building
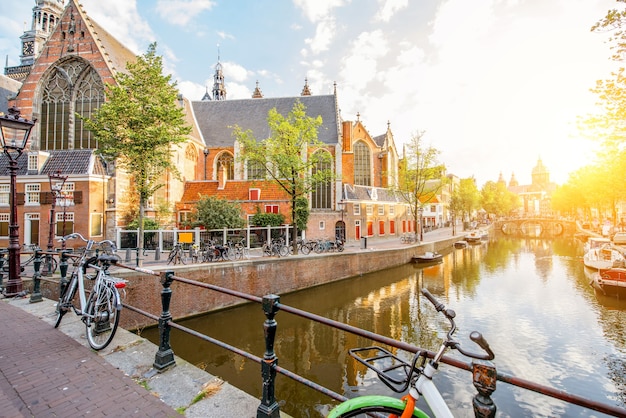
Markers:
point(67, 58)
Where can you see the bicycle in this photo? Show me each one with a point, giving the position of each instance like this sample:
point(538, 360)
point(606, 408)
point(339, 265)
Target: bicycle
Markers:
point(177, 255)
point(100, 310)
point(48, 259)
point(399, 376)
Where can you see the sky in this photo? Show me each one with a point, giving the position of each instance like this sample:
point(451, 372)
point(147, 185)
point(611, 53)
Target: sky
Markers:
point(494, 85)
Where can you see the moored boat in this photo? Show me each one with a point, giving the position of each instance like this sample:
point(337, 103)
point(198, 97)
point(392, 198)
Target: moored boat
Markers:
point(460, 244)
point(611, 282)
point(428, 257)
point(600, 255)
point(474, 236)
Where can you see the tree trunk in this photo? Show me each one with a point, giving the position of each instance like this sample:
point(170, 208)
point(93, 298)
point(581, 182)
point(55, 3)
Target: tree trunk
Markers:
point(294, 230)
point(142, 210)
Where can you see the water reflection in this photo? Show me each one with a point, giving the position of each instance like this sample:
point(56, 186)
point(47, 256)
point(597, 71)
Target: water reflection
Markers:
point(529, 297)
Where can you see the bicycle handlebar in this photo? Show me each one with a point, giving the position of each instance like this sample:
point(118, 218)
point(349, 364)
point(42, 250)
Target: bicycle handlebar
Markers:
point(475, 336)
point(90, 243)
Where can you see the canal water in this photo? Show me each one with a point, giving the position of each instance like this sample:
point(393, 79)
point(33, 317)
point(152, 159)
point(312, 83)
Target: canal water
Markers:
point(530, 298)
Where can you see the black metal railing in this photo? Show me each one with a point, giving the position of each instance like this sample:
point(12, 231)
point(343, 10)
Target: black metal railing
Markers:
point(269, 407)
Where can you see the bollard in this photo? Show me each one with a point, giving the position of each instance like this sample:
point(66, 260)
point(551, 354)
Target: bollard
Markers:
point(128, 256)
point(269, 407)
point(485, 377)
point(63, 271)
point(164, 358)
point(137, 259)
point(36, 295)
point(157, 254)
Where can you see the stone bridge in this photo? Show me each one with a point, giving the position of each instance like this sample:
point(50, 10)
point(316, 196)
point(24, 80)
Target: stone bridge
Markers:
point(536, 227)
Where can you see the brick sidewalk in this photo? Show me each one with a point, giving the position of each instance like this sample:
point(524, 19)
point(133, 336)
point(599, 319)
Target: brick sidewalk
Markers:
point(43, 372)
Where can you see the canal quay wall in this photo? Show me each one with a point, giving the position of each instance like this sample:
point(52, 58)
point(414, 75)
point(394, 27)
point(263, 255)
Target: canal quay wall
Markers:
point(258, 276)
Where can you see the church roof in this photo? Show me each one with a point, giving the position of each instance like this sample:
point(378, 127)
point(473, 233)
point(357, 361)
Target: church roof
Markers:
point(216, 118)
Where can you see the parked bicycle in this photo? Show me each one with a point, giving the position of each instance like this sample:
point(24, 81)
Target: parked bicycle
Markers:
point(417, 376)
point(276, 247)
point(48, 259)
point(213, 251)
point(99, 308)
point(407, 238)
point(238, 250)
point(177, 255)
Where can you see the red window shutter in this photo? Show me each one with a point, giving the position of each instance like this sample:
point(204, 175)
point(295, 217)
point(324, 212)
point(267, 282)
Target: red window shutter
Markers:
point(254, 194)
point(275, 209)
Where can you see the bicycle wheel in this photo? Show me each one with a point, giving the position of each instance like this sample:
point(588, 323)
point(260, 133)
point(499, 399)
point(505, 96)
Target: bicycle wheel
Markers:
point(366, 405)
point(171, 257)
point(245, 253)
point(103, 315)
point(65, 300)
point(283, 250)
point(306, 249)
point(181, 257)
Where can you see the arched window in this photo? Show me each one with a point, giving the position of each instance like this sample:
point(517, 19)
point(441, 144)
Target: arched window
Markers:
point(226, 164)
point(321, 195)
point(256, 170)
point(362, 165)
point(73, 87)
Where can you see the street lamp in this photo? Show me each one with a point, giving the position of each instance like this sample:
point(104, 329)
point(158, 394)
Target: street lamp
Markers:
point(342, 206)
point(420, 210)
point(56, 186)
point(14, 135)
point(206, 154)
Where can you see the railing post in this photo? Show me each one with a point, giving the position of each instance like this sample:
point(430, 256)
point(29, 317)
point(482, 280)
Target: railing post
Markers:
point(485, 377)
point(269, 407)
point(63, 265)
point(36, 295)
point(165, 356)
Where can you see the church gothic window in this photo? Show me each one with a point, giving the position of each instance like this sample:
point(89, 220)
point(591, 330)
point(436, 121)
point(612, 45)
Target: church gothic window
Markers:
point(72, 87)
point(226, 162)
point(362, 165)
point(321, 195)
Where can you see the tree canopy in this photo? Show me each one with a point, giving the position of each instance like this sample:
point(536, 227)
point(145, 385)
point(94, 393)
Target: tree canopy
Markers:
point(212, 212)
point(289, 155)
point(138, 124)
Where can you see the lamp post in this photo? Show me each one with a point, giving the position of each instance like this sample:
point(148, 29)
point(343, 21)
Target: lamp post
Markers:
point(420, 211)
point(14, 134)
point(342, 206)
point(206, 154)
point(56, 186)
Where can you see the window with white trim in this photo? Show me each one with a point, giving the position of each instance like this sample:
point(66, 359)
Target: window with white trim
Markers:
point(67, 195)
point(33, 162)
point(32, 194)
point(271, 208)
point(392, 210)
point(322, 225)
point(5, 194)
point(95, 225)
point(369, 209)
point(381, 209)
point(357, 209)
point(65, 223)
point(4, 225)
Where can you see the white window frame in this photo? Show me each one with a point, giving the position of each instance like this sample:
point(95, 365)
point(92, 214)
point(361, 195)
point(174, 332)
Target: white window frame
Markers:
point(369, 209)
point(392, 210)
point(357, 209)
point(5, 194)
point(32, 194)
point(381, 210)
point(322, 225)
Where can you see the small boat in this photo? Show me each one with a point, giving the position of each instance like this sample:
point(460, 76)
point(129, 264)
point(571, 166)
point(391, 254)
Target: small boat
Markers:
point(428, 257)
point(474, 236)
point(611, 282)
point(600, 255)
point(460, 244)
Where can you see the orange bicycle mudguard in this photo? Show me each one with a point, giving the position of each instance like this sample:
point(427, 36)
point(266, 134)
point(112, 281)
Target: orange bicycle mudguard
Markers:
point(408, 409)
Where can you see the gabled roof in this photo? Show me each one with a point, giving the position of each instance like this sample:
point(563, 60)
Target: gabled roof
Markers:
point(234, 190)
point(67, 162)
point(115, 53)
point(369, 193)
point(216, 118)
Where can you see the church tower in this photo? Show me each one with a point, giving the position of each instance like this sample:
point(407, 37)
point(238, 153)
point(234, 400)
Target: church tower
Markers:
point(219, 89)
point(540, 176)
point(46, 15)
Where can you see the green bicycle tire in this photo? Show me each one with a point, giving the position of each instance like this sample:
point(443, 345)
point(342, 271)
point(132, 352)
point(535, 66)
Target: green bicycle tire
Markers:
point(363, 405)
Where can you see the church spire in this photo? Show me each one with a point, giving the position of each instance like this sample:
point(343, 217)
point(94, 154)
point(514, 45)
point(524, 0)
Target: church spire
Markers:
point(207, 96)
point(219, 89)
point(306, 91)
point(257, 92)
point(46, 15)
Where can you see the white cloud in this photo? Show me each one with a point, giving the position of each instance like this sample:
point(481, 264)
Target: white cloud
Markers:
point(316, 10)
point(180, 12)
point(324, 34)
point(388, 8)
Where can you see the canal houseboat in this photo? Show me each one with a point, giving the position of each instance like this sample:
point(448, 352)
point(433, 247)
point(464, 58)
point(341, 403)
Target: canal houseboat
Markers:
point(600, 255)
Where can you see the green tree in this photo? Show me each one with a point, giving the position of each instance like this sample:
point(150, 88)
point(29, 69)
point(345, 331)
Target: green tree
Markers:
point(496, 199)
point(211, 212)
point(469, 198)
point(267, 219)
point(289, 156)
point(419, 176)
point(302, 212)
point(138, 124)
